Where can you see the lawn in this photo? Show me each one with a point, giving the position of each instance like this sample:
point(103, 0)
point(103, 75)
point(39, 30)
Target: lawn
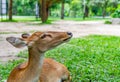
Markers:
point(92, 58)
point(50, 19)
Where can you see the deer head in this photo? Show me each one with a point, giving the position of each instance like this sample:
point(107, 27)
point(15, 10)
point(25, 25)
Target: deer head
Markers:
point(42, 41)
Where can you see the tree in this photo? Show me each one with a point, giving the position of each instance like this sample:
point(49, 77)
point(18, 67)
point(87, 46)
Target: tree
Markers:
point(45, 5)
point(62, 9)
point(105, 5)
point(75, 7)
point(116, 13)
point(44, 11)
point(24, 7)
point(10, 10)
point(86, 8)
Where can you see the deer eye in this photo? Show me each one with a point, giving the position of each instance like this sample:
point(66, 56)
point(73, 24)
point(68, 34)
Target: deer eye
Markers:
point(43, 36)
point(46, 35)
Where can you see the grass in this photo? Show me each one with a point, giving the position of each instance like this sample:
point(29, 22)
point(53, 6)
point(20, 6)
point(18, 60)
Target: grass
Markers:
point(20, 19)
point(50, 19)
point(5, 69)
point(16, 32)
point(89, 59)
point(10, 32)
point(86, 19)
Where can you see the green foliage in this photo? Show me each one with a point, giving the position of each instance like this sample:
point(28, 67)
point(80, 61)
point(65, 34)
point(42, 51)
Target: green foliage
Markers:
point(24, 7)
point(74, 5)
point(5, 69)
point(73, 8)
point(108, 22)
point(89, 59)
point(23, 54)
point(116, 14)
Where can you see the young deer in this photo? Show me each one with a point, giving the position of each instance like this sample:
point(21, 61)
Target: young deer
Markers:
point(38, 69)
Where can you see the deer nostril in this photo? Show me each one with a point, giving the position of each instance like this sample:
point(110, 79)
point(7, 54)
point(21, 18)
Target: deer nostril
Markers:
point(69, 33)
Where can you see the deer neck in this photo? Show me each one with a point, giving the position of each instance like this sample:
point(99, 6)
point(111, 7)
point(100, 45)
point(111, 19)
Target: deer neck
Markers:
point(35, 61)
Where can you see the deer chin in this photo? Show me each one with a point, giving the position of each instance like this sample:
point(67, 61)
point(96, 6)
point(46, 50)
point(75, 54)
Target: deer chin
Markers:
point(67, 39)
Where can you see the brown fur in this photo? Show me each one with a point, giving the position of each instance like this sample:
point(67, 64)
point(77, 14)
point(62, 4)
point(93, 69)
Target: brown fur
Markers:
point(38, 69)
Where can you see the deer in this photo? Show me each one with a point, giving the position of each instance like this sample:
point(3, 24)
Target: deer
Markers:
point(38, 68)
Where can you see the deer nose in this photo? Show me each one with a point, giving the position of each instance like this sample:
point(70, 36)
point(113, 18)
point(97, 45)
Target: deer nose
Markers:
point(69, 33)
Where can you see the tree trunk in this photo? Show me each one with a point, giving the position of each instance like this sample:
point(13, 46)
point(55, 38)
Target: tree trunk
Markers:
point(10, 10)
point(86, 12)
point(74, 14)
point(62, 9)
point(104, 8)
point(44, 11)
point(104, 13)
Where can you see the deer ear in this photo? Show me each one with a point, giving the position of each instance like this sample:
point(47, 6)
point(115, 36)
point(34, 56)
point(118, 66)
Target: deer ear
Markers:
point(16, 42)
point(25, 35)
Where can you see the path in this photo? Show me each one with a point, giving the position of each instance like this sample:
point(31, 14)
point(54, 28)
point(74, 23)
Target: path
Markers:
point(78, 29)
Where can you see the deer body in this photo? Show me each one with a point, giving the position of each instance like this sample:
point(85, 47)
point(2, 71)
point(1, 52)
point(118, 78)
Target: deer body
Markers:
point(38, 69)
point(29, 71)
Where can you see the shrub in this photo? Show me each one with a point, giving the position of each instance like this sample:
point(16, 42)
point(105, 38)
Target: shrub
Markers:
point(116, 14)
point(108, 22)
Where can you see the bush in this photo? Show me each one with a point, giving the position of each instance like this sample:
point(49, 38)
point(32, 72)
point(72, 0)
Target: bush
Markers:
point(116, 14)
point(108, 22)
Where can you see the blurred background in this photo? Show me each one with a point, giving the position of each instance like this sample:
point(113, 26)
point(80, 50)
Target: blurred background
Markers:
point(64, 9)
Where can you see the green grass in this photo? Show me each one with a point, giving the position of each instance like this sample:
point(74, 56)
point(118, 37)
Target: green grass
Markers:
point(50, 19)
point(20, 19)
point(89, 59)
point(10, 32)
point(86, 19)
point(27, 19)
point(6, 69)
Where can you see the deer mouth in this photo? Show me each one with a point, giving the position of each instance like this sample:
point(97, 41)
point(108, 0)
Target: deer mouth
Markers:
point(67, 39)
